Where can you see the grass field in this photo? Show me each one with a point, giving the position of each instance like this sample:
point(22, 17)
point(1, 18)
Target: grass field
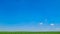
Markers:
point(29, 32)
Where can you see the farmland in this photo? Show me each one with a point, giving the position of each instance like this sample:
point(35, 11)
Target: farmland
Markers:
point(29, 32)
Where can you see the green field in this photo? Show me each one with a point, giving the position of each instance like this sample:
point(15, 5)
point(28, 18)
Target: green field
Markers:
point(29, 32)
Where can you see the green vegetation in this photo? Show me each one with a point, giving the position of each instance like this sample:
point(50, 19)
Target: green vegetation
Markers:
point(29, 32)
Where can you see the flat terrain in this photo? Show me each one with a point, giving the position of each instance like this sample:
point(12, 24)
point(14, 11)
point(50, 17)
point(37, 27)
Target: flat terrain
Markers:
point(29, 32)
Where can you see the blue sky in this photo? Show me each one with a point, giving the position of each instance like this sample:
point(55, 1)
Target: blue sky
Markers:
point(26, 15)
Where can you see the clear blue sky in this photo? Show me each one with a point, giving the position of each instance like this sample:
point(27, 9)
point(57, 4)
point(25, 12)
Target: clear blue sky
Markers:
point(27, 14)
